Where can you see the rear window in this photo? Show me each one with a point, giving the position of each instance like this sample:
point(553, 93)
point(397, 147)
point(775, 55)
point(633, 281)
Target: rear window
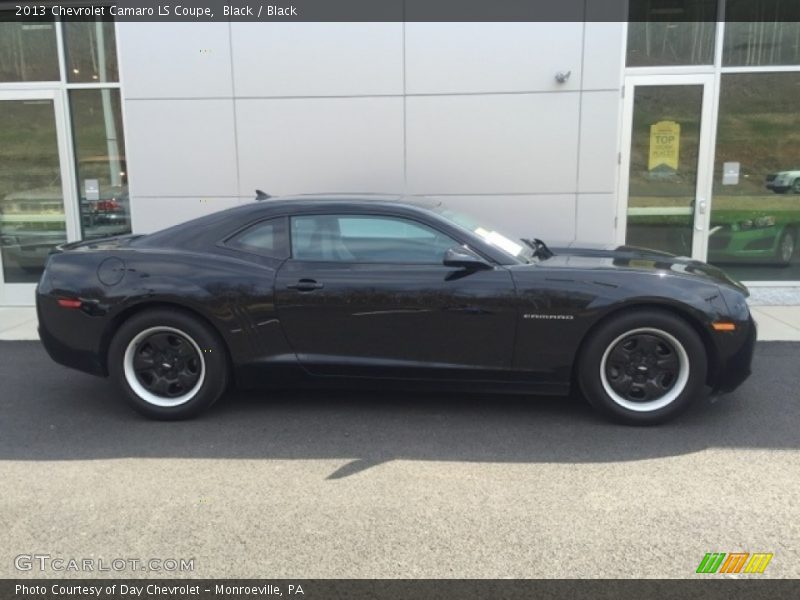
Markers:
point(267, 238)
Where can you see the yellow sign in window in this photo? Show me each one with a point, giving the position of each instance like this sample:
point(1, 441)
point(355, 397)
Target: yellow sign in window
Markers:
point(665, 142)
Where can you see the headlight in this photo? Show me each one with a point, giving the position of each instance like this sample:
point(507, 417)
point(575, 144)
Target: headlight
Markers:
point(764, 222)
point(757, 223)
point(8, 240)
point(736, 303)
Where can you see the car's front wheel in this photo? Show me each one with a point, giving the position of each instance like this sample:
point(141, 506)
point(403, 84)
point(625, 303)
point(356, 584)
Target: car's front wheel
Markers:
point(169, 364)
point(642, 367)
point(786, 247)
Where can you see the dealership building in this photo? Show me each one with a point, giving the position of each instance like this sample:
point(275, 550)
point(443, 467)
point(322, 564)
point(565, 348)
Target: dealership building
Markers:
point(678, 130)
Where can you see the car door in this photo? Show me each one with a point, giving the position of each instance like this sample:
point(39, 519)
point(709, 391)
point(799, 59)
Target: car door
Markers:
point(368, 294)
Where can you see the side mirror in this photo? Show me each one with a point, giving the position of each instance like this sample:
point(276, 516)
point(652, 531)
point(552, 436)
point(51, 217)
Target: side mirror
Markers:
point(463, 258)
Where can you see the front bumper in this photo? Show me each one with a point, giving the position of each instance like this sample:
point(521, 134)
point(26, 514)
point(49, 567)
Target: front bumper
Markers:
point(738, 366)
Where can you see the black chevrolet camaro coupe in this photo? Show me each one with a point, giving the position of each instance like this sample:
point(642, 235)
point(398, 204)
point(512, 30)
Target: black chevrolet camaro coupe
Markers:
point(389, 292)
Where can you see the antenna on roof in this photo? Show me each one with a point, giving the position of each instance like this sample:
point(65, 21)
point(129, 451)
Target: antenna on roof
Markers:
point(261, 196)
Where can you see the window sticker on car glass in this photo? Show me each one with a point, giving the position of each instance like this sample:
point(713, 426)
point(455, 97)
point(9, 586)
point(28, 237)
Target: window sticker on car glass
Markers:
point(499, 240)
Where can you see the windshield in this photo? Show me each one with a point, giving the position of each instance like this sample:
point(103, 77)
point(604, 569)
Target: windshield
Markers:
point(519, 249)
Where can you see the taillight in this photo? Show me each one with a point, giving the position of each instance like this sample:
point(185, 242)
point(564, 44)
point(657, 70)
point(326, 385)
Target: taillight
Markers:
point(69, 303)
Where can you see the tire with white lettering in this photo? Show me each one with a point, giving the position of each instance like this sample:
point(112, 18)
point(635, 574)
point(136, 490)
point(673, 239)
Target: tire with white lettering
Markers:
point(642, 367)
point(169, 364)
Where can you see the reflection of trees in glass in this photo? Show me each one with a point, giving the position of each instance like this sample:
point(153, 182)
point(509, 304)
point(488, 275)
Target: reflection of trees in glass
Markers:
point(97, 126)
point(90, 51)
point(759, 127)
point(673, 33)
point(28, 51)
point(28, 148)
point(99, 144)
point(762, 32)
point(681, 104)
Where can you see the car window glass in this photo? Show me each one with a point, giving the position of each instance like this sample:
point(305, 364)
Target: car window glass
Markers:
point(366, 238)
point(267, 238)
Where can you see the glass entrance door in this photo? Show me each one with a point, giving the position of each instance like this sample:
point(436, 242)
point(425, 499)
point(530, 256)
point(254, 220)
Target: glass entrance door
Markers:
point(668, 163)
point(36, 206)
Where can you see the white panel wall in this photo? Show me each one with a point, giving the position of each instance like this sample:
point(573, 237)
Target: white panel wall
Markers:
point(599, 141)
point(604, 46)
point(492, 57)
point(175, 60)
point(181, 147)
point(320, 144)
point(317, 59)
point(596, 218)
point(547, 216)
point(151, 214)
point(492, 144)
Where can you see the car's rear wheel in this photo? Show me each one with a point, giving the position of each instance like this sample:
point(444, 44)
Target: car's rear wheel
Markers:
point(169, 364)
point(786, 247)
point(796, 186)
point(642, 367)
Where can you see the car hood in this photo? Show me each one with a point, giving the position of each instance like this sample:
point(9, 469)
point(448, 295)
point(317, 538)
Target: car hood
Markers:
point(632, 258)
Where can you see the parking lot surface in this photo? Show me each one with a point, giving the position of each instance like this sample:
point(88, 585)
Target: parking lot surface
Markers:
point(340, 484)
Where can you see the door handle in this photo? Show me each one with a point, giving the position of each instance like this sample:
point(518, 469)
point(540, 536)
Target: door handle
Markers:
point(702, 207)
point(305, 285)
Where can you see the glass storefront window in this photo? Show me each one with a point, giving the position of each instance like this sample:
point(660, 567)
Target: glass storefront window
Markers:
point(671, 32)
point(665, 140)
point(761, 32)
point(28, 51)
point(755, 218)
point(32, 217)
point(90, 49)
point(100, 162)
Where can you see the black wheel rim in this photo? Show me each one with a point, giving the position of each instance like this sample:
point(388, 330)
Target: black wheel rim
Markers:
point(642, 367)
point(167, 364)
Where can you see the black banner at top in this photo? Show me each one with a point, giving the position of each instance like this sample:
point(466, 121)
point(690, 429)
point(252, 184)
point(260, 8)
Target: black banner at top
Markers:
point(399, 10)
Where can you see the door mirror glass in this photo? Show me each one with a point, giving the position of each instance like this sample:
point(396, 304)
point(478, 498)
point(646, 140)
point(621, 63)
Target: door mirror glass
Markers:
point(463, 258)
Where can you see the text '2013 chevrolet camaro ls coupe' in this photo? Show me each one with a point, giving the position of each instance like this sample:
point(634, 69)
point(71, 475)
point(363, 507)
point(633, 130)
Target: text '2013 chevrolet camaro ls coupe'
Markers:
point(389, 291)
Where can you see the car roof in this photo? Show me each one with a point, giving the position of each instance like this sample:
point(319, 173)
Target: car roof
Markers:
point(365, 199)
point(203, 230)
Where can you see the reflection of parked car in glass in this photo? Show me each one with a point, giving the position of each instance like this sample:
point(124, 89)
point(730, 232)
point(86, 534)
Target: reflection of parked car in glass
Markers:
point(33, 221)
point(111, 205)
point(739, 236)
point(783, 181)
point(29, 228)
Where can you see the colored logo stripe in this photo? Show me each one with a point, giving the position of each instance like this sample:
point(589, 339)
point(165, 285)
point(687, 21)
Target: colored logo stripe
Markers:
point(758, 562)
point(735, 562)
point(711, 562)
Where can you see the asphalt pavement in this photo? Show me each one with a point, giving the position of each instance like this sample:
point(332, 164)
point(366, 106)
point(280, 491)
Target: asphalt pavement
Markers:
point(340, 484)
